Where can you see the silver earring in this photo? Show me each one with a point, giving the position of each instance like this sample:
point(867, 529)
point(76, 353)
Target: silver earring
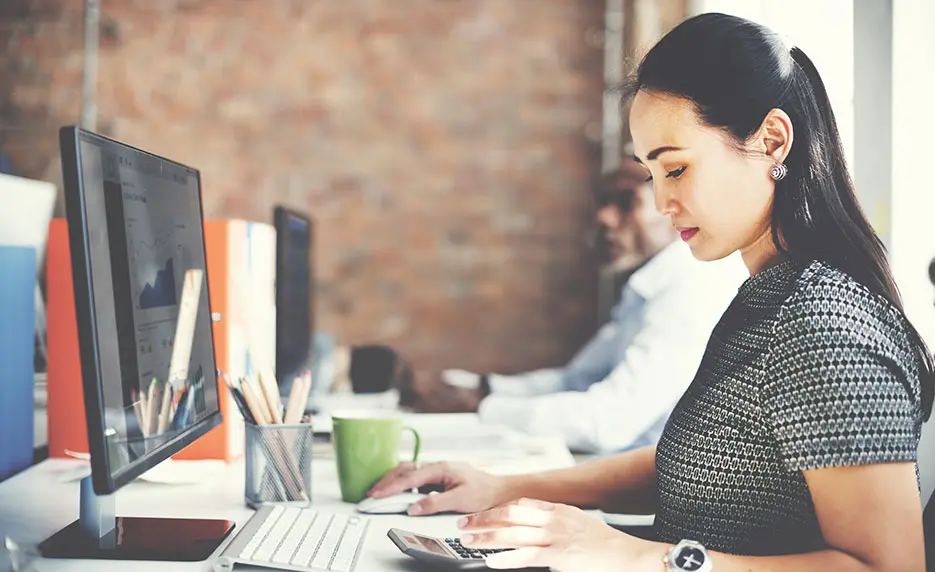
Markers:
point(778, 171)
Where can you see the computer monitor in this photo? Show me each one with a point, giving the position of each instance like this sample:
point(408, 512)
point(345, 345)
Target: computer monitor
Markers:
point(136, 234)
point(295, 318)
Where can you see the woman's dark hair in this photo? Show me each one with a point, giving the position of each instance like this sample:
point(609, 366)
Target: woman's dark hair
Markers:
point(734, 72)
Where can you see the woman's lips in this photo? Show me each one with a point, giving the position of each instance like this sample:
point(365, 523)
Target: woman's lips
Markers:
point(687, 233)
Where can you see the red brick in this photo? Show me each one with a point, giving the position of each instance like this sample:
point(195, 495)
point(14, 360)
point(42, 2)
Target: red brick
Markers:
point(440, 145)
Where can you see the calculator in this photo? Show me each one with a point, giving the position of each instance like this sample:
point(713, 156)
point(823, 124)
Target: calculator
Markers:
point(444, 552)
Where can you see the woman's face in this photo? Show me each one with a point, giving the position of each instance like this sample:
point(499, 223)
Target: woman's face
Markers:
point(718, 198)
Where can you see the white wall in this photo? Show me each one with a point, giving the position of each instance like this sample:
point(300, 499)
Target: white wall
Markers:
point(912, 222)
point(873, 102)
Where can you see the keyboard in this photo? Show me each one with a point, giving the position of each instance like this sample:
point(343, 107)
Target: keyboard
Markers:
point(291, 538)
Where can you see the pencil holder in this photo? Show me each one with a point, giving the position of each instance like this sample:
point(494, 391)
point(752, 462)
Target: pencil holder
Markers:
point(278, 464)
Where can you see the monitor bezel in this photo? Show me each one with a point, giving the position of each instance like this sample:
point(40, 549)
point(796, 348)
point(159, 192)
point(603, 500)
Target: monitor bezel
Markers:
point(281, 214)
point(74, 193)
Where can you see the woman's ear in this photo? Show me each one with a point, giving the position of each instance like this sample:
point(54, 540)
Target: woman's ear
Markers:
point(775, 135)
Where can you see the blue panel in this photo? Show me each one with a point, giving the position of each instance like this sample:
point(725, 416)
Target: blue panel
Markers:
point(17, 331)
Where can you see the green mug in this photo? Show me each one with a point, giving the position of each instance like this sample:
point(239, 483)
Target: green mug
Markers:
point(366, 445)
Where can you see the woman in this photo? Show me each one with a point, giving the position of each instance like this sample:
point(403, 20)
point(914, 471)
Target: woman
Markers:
point(795, 446)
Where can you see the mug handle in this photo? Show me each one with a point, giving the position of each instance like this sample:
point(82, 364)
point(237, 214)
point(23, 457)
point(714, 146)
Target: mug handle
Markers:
point(418, 447)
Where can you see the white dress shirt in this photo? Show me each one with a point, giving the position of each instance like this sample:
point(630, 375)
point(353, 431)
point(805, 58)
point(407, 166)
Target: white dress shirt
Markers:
point(618, 391)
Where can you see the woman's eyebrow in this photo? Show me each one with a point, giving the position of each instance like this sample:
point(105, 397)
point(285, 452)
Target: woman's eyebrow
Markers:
point(654, 154)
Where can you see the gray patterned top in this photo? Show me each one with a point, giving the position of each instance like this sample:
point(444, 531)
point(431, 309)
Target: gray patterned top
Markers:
point(807, 368)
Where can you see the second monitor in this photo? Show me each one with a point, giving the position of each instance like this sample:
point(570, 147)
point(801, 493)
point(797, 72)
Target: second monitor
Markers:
point(294, 293)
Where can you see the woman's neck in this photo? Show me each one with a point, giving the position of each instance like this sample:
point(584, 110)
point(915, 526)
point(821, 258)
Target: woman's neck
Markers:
point(762, 254)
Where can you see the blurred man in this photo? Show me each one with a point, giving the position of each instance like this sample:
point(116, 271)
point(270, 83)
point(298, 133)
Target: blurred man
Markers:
point(618, 391)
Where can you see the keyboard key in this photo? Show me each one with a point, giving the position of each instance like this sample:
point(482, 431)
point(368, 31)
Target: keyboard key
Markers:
point(312, 541)
point(276, 535)
point(330, 543)
point(261, 533)
point(287, 549)
point(348, 548)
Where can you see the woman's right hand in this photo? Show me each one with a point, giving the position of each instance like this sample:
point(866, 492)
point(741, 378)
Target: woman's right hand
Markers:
point(467, 489)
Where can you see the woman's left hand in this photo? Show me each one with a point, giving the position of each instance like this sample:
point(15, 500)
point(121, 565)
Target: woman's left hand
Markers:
point(550, 535)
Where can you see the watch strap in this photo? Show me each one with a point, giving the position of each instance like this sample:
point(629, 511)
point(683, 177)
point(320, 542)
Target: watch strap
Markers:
point(484, 385)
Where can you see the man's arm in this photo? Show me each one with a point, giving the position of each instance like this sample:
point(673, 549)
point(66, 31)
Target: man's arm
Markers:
point(656, 368)
point(591, 364)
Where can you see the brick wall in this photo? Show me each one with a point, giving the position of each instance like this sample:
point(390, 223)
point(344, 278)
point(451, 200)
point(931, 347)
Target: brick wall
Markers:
point(442, 146)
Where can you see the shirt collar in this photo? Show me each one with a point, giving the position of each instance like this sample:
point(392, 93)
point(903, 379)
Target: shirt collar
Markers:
point(660, 270)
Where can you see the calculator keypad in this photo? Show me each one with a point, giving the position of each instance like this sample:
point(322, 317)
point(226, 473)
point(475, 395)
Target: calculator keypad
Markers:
point(471, 553)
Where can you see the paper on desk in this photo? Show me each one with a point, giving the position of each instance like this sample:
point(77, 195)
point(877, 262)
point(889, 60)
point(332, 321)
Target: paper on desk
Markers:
point(172, 472)
point(332, 402)
point(168, 472)
point(17, 558)
point(629, 519)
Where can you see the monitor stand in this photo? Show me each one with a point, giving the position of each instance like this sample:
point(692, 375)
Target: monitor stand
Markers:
point(99, 534)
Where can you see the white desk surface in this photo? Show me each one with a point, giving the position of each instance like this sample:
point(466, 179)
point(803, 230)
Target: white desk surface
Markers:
point(37, 502)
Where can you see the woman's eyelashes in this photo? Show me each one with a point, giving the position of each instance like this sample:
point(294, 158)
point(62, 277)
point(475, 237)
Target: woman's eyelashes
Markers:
point(675, 173)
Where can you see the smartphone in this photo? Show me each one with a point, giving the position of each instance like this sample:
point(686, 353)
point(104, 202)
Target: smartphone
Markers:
point(444, 552)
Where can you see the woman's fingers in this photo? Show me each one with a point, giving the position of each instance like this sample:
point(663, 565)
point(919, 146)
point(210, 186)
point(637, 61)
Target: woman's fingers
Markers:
point(409, 478)
point(535, 503)
point(400, 470)
point(451, 501)
point(511, 537)
point(520, 513)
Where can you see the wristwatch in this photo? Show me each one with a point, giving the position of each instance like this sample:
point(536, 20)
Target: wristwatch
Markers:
point(483, 385)
point(687, 556)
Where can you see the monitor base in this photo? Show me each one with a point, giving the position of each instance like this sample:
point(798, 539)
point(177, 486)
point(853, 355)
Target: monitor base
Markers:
point(100, 535)
point(166, 539)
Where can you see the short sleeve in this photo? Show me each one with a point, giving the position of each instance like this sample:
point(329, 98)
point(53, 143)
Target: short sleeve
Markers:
point(842, 383)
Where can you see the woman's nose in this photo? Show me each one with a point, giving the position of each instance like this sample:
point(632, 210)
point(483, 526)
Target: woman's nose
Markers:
point(665, 203)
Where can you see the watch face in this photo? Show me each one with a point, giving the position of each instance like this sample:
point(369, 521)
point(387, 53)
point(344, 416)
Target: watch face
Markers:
point(689, 558)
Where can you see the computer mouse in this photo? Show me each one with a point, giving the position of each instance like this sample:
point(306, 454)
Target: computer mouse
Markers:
point(394, 504)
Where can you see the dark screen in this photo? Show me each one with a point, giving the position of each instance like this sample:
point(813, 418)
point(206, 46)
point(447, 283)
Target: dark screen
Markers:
point(150, 295)
point(294, 318)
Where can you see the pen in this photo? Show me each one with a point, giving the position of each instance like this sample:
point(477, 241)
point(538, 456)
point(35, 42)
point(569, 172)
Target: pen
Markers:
point(177, 419)
point(138, 411)
point(269, 390)
point(153, 408)
point(144, 409)
point(164, 412)
point(239, 401)
point(257, 407)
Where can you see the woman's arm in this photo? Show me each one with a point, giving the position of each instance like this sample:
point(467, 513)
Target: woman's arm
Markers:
point(870, 517)
point(623, 483)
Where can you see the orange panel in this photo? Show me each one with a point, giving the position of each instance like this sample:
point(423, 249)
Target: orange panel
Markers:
point(67, 426)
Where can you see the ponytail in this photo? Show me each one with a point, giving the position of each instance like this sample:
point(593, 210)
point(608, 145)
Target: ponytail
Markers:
point(817, 214)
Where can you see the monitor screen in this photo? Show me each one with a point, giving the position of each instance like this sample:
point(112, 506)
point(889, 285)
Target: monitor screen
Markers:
point(141, 294)
point(294, 316)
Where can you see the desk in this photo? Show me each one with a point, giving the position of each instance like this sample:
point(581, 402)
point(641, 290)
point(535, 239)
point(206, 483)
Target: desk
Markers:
point(36, 503)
